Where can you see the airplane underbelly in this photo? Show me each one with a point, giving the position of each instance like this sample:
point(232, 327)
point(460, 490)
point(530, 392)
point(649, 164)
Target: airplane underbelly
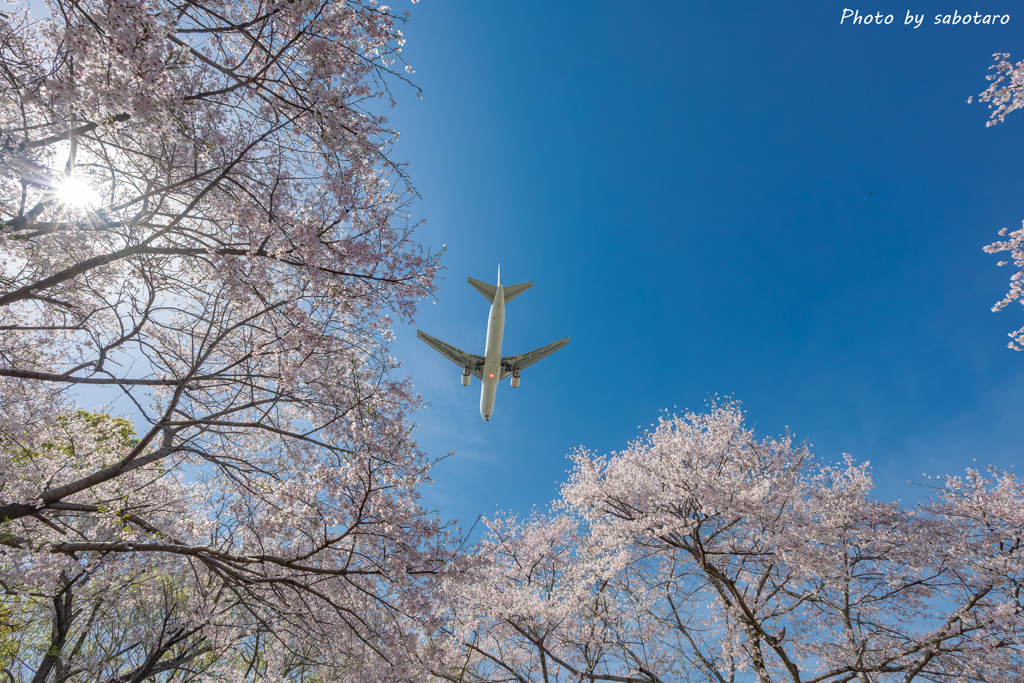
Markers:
point(487, 392)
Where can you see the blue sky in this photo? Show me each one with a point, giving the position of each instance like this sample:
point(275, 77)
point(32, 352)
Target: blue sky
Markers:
point(741, 199)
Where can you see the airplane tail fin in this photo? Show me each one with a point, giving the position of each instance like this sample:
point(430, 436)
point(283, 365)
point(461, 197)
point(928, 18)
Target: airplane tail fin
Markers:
point(487, 290)
point(511, 292)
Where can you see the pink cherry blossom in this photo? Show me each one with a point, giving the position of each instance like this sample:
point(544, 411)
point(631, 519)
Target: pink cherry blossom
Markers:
point(237, 239)
point(1004, 95)
point(705, 553)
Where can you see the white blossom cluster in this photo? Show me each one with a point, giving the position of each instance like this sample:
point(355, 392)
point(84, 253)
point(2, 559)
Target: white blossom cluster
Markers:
point(703, 553)
point(235, 240)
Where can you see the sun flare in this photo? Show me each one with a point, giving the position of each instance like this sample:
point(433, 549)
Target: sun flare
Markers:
point(75, 192)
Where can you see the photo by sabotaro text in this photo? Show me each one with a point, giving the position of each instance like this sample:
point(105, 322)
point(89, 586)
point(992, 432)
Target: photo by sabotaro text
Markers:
point(856, 18)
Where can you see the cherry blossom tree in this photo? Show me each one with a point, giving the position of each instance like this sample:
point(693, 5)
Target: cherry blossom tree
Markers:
point(200, 219)
point(703, 553)
point(1004, 95)
point(536, 611)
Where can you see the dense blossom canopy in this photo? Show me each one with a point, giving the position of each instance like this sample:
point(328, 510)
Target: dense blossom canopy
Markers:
point(703, 553)
point(199, 217)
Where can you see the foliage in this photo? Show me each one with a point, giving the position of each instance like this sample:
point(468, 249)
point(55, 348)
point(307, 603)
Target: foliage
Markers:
point(198, 214)
point(702, 553)
point(1004, 95)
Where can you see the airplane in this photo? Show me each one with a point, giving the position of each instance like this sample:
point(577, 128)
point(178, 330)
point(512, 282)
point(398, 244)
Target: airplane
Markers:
point(491, 368)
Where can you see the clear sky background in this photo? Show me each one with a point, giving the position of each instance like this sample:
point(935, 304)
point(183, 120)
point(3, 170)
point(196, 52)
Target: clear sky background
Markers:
point(745, 199)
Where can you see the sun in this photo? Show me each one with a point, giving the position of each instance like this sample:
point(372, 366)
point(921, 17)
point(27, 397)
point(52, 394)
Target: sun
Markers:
point(75, 192)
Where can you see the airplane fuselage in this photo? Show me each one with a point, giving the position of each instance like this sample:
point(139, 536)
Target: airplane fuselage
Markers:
point(492, 353)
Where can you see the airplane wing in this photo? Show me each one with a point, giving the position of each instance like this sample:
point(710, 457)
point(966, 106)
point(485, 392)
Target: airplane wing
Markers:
point(510, 364)
point(457, 356)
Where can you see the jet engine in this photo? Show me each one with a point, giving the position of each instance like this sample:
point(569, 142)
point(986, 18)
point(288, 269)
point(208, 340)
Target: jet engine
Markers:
point(515, 379)
point(465, 378)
